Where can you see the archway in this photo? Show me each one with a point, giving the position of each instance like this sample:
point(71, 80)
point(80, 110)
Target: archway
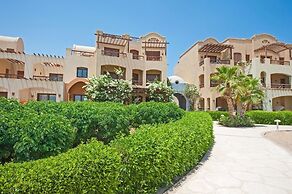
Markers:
point(76, 92)
point(221, 104)
point(182, 102)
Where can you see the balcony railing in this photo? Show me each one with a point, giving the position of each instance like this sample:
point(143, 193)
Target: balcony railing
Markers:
point(137, 82)
point(201, 62)
point(112, 53)
point(281, 86)
point(41, 77)
point(153, 58)
point(280, 62)
point(14, 76)
point(138, 57)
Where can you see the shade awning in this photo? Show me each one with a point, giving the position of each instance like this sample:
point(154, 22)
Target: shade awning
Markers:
point(215, 48)
point(275, 47)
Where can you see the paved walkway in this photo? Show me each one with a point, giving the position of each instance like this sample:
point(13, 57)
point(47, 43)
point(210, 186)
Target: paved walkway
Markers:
point(241, 161)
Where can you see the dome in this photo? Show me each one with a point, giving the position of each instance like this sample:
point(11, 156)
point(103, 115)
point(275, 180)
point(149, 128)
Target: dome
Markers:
point(176, 79)
point(83, 48)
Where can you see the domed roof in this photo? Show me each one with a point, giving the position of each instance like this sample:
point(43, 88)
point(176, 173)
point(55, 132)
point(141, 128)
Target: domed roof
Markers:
point(176, 79)
point(15, 43)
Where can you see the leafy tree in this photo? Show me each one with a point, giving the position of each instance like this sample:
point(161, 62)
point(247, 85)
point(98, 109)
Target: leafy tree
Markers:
point(192, 93)
point(105, 88)
point(159, 92)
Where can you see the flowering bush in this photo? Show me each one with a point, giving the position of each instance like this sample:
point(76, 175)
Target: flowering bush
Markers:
point(105, 88)
point(159, 92)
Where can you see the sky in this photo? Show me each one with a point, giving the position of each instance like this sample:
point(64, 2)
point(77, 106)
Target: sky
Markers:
point(51, 26)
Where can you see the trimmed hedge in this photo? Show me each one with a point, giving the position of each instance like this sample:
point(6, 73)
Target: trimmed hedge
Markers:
point(265, 117)
point(89, 168)
point(140, 163)
point(154, 155)
point(155, 112)
point(217, 114)
point(26, 135)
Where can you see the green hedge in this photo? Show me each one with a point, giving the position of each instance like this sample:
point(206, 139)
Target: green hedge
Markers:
point(217, 114)
point(25, 135)
point(89, 168)
point(140, 163)
point(155, 112)
point(154, 155)
point(265, 117)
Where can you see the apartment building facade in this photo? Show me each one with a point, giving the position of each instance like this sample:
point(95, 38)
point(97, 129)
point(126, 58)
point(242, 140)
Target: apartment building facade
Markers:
point(46, 77)
point(269, 59)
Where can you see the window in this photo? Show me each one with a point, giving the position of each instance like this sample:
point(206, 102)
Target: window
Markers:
point(20, 74)
point(82, 72)
point(45, 97)
point(152, 77)
point(79, 97)
point(237, 57)
point(247, 58)
point(56, 77)
point(135, 54)
point(4, 94)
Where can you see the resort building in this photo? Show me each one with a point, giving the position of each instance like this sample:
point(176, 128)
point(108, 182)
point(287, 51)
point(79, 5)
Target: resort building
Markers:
point(269, 59)
point(45, 77)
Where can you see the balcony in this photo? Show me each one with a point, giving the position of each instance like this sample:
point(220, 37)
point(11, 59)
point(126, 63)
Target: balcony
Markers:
point(153, 58)
point(280, 62)
point(280, 86)
point(215, 61)
point(112, 53)
point(138, 57)
point(13, 76)
point(137, 82)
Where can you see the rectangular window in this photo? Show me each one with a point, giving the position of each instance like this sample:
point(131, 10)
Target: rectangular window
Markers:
point(152, 77)
point(55, 77)
point(247, 58)
point(79, 97)
point(45, 97)
point(82, 72)
point(4, 94)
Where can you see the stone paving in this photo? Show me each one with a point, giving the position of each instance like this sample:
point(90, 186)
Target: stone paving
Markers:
point(241, 161)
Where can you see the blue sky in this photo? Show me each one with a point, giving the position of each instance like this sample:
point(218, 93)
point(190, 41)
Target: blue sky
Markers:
point(52, 26)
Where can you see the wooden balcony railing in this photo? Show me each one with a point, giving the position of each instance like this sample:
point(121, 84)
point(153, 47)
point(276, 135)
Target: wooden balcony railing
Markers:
point(153, 58)
point(14, 76)
point(112, 53)
point(280, 62)
point(201, 62)
point(280, 86)
point(220, 61)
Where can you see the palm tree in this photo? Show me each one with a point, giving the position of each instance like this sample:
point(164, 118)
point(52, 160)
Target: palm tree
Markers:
point(227, 77)
point(250, 92)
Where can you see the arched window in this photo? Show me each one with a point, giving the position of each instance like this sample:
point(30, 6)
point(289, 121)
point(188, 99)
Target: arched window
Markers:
point(135, 54)
point(153, 40)
point(82, 72)
point(237, 57)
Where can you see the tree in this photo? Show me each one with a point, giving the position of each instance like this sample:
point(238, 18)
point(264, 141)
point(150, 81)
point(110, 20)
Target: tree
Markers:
point(159, 91)
point(192, 93)
point(227, 79)
point(238, 89)
point(105, 88)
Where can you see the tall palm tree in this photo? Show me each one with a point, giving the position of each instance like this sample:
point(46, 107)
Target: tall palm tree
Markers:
point(227, 77)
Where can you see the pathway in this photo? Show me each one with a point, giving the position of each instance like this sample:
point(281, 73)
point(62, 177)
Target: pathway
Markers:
point(241, 161)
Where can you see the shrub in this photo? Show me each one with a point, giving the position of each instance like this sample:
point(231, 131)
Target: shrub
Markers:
point(154, 155)
point(159, 91)
point(155, 112)
point(26, 135)
point(89, 168)
point(9, 104)
point(265, 117)
point(217, 114)
point(236, 121)
point(92, 119)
